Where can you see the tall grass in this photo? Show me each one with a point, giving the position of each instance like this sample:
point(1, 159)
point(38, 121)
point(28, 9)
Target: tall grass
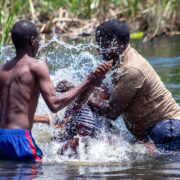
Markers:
point(158, 14)
point(8, 9)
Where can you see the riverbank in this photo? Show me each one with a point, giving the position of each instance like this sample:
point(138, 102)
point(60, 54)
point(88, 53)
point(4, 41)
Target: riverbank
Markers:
point(74, 17)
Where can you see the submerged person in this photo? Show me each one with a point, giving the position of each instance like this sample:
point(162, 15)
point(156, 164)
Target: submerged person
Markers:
point(147, 107)
point(79, 122)
point(22, 80)
point(76, 121)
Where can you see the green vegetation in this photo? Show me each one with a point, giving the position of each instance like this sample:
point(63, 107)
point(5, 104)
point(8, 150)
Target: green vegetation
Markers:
point(152, 17)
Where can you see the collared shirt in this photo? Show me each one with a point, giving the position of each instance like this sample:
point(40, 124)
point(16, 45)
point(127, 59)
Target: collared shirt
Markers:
point(151, 101)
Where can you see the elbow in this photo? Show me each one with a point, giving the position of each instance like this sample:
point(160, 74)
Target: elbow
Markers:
point(53, 108)
point(113, 115)
point(55, 104)
point(56, 107)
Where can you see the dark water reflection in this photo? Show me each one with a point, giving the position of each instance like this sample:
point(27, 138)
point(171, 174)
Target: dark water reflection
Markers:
point(164, 55)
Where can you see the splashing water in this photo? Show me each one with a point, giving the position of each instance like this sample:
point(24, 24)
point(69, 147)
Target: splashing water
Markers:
point(74, 62)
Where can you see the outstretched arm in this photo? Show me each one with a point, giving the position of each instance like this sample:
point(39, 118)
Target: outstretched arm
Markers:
point(55, 101)
point(83, 97)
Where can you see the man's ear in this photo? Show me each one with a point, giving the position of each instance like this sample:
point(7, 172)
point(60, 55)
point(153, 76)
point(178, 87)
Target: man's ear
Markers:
point(32, 40)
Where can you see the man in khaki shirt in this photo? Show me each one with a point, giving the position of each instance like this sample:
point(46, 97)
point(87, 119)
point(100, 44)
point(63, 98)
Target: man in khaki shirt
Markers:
point(148, 109)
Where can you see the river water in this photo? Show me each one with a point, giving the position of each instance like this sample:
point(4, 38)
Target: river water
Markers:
point(125, 159)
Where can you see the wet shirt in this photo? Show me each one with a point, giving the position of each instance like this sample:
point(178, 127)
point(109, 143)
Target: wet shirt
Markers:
point(81, 122)
point(151, 102)
point(84, 117)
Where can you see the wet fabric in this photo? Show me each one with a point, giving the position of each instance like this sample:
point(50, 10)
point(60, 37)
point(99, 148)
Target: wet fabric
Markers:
point(83, 117)
point(165, 135)
point(81, 123)
point(150, 102)
point(18, 145)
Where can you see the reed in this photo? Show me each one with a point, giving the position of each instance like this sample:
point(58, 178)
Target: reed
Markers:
point(7, 14)
point(158, 16)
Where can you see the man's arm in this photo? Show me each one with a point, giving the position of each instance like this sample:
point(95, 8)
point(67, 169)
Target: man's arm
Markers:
point(129, 83)
point(98, 92)
point(56, 102)
point(82, 98)
point(42, 119)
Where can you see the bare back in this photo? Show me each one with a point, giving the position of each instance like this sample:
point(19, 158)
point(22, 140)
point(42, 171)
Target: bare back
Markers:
point(19, 94)
point(21, 82)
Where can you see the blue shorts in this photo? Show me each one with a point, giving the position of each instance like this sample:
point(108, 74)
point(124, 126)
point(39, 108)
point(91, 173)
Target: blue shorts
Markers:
point(165, 135)
point(18, 145)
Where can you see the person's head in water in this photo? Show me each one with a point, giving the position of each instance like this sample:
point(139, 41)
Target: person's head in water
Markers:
point(64, 86)
point(112, 37)
point(25, 37)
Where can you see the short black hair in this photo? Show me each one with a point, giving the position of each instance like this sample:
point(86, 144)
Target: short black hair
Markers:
point(64, 86)
point(22, 32)
point(113, 28)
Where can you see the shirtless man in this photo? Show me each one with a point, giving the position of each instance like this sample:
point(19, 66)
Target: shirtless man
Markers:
point(21, 81)
point(147, 107)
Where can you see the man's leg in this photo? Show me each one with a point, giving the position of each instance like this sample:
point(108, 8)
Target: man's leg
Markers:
point(166, 135)
point(160, 134)
point(175, 128)
point(70, 144)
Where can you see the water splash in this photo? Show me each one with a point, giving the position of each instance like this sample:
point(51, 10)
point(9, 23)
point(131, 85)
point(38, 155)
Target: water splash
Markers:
point(74, 62)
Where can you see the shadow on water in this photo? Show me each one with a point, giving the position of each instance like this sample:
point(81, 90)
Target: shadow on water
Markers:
point(73, 60)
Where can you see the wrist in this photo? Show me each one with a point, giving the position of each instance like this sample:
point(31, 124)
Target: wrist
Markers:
point(94, 79)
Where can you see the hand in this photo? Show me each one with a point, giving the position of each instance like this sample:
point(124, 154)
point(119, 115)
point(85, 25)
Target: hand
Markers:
point(98, 75)
point(151, 148)
point(51, 117)
point(102, 69)
point(47, 119)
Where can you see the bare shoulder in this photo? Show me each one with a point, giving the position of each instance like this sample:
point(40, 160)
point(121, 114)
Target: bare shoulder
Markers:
point(39, 66)
point(7, 66)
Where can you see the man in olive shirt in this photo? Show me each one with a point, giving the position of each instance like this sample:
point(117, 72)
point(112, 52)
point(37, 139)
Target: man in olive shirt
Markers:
point(147, 107)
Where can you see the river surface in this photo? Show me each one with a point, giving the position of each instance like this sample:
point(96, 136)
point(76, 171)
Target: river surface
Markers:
point(125, 159)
